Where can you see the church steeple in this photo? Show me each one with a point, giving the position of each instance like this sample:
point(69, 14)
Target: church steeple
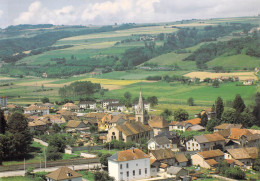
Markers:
point(140, 113)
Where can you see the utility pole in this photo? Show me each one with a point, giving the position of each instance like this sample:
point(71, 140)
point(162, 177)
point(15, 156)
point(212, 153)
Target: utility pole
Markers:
point(45, 157)
point(24, 166)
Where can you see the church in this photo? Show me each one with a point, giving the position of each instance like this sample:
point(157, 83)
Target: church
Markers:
point(133, 130)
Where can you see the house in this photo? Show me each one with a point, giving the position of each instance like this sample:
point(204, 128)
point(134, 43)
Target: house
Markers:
point(33, 109)
point(55, 119)
point(179, 126)
point(172, 136)
point(245, 155)
point(248, 82)
point(3, 101)
point(95, 115)
point(91, 121)
point(87, 105)
point(11, 106)
point(165, 156)
point(159, 143)
point(76, 125)
point(104, 123)
point(236, 134)
point(210, 113)
point(252, 140)
point(207, 159)
point(44, 75)
point(70, 107)
point(206, 142)
point(154, 167)
point(177, 172)
point(181, 160)
point(64, 174)
point(147, 106)
point(130, 131)
point(158, 123)
point(184, 125)
point(37, 125)
point(226, 126)
point(106, 102)
point(116, 107)
point(132, 164)
point(118, 119)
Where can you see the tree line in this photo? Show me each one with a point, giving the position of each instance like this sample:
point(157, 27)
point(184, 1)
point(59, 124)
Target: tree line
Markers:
point(83, 88)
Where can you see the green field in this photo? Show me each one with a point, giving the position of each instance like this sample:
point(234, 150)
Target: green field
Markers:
point(235, 61)
point(20, 178)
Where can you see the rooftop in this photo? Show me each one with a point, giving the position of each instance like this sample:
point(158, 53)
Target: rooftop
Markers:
point(127, 155)
point(63, 173)
point(211, 154)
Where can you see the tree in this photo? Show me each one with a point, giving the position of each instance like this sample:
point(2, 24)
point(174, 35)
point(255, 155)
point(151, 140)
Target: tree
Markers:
point(102, 92)
point(93, 129)
point(56, 128)
point(166, 113)
point(204, 120)
point(190, 101)
point(127, 95)
point(247, 119)
point(211, 124)
point(215, 83)
point(104, 159)
point(256, 111)
point(230, 116)
point(238, 104)
point(102, 176)
point(57, 141)
point(45, 100)
point(219, 107)
point(180, 115)
point(53, 153)
point(2, 122)
point(19, 134)
point(42, 87)
point(256, 165)
point(153, 100)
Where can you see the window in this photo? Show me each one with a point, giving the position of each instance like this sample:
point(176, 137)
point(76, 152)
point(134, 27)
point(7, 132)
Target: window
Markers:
point(140, 171)
point(133, 172)
point(145, 171)
point(127, 165)
point(197, 144)
point(137, 164)
point(127, 174)
point(121, 166)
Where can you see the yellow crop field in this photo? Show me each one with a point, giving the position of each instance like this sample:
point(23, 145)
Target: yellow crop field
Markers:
point(101, 45)
point(203, 75)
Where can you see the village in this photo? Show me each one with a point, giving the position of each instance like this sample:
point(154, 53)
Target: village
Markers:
point(152, 148)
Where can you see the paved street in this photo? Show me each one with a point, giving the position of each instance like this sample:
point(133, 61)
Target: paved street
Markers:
point(50, 169)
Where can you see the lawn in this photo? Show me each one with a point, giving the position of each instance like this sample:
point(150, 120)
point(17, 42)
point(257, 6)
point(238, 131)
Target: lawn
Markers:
point(103, 151)
point(87, 175)
point(19, 178)
point(235, 62)
point(174, 59)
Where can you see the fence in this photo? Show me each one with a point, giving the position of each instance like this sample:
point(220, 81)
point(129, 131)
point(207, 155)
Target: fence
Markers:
point(73, 149)
point(50, 164)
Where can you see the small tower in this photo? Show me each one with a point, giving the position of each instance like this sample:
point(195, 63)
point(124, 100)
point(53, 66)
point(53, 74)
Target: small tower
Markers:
point(140, 113)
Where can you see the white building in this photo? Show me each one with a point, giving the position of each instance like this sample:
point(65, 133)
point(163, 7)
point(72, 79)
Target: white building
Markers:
point(106, 102)
point(87, 105)
point(132, 164)
point(3, 101)
point(159, 143)
point(64, 174)
point(116, 107)
point(33, 109)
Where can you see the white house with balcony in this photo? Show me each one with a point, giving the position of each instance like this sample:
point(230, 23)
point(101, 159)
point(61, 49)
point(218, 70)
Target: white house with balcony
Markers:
point(132, 164)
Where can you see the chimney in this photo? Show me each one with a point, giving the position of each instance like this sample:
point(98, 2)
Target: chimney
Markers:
point(133, 150)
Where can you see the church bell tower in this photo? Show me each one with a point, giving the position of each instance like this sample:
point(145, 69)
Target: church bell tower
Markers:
point(140, 113)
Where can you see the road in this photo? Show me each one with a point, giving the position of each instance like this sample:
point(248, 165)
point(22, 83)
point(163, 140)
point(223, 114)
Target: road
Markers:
point(50, 169)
